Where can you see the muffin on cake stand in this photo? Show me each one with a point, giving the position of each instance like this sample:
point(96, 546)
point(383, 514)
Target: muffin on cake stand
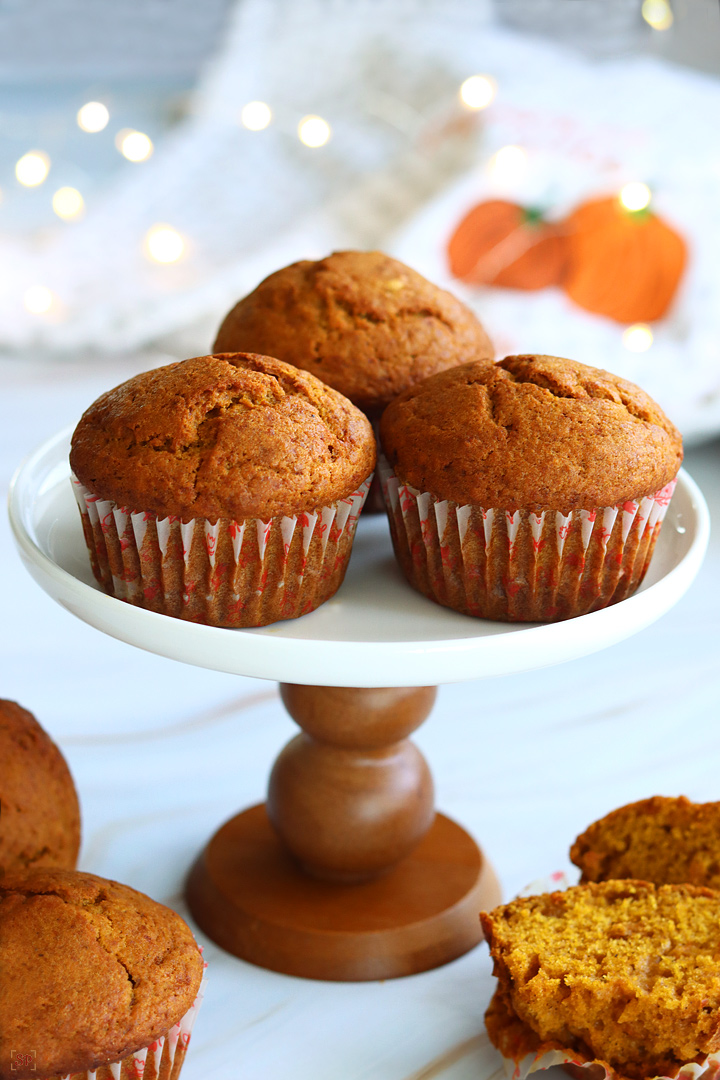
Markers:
point(346, 872)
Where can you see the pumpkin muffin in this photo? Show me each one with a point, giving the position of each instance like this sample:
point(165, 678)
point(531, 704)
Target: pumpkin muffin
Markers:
point(223, 489)
point(531, 489)
point(362, 322)
point(663, 840)
point(93, 974)
point(617, 973)
point(39, 812)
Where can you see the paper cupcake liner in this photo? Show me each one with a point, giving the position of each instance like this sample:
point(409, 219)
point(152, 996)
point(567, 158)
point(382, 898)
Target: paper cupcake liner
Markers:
point(161, 1060)
point(595, 1069)
point(521, 566)
point(230, 573)
point(577, 1064)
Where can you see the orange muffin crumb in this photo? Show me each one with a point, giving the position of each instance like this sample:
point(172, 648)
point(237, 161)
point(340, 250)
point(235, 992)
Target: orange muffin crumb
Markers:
point(620, 973)
point(664, 840)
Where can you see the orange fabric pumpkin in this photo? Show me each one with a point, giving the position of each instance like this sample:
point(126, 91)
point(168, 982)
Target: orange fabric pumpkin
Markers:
point(501, 243)
point(622, 263)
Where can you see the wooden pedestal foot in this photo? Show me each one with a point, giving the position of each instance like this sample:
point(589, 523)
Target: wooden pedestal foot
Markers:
point(346, 873)
point(253, 900)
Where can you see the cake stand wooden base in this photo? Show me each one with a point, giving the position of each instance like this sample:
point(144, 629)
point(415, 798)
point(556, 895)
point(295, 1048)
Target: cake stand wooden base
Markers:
point(255, 901)
point(346, 872)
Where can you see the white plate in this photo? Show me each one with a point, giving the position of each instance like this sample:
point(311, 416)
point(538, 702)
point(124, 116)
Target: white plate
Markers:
point(376, 631)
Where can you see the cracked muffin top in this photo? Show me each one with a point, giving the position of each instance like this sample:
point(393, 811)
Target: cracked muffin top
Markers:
point(362, 322)
point(663, 840)
point(618, 972)
point(39, 812)
point(91, 971)
point(233, 436)
point(531, 432)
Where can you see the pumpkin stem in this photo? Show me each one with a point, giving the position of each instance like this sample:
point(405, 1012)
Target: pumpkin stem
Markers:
point(533, 215)
point(638, 216)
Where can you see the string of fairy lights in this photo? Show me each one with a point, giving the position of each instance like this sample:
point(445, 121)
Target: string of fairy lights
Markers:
point(162, 243)
point(165, 245)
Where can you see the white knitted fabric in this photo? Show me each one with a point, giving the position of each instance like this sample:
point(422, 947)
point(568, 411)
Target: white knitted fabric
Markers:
point(404, 162)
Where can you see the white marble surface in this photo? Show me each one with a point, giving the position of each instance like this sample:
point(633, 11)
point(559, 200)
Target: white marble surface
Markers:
point(162, 753)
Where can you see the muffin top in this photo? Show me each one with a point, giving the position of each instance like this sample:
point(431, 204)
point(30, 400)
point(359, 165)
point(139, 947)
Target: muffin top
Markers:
point(530, 432)
point(618, 970)
point(233, 436)
point(39, 812)
point(663, 840)
point(91, 971)
point(362, 322)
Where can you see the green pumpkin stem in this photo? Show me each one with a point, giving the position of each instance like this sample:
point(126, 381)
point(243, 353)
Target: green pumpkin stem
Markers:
point(533, 215)
point(638, 216)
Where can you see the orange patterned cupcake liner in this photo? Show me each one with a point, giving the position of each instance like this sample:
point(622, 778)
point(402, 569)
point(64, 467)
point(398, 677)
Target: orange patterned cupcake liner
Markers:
point(521, 566)
point(227, 573)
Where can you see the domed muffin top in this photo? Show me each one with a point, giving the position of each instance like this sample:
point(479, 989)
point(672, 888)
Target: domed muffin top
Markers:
point(234, 436)
point(666, 840)
point(91, 971)
point(362, 322)
point(531, 432)
point(39, 812)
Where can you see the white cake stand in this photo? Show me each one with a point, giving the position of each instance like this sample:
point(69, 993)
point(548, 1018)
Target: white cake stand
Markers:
point(346, 872)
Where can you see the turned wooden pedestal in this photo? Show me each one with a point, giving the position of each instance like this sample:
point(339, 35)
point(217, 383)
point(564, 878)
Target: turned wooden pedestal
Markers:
point(346, 872)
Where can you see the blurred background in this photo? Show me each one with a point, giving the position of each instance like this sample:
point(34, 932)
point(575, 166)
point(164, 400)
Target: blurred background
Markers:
point(158, 158)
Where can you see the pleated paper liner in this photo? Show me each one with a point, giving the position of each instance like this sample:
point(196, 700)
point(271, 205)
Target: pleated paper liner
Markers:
point(162, 1060)
point(521, 566)
point(523, 1054)
point(234, 574)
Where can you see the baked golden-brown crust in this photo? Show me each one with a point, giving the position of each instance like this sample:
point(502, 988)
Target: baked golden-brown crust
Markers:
point(530, 433)
point(362, 322)
point(616, 971)
point(663, 840)
point(91, 971)
point(234, 436)
point(39, 812)
point(514, 1039)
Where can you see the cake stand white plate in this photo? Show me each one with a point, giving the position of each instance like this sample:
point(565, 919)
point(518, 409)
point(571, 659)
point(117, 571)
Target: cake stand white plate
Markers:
point(376, 631)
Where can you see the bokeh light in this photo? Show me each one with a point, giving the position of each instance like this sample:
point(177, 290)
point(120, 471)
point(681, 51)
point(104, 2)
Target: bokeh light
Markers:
point(164, 244)
point(93, 117)
point(256, 115)
point(32, 168)
point(635, 196)
point(67, 202)
point(658, 14)
point(313, 131)
point(38, 299)
point(478, 91)
point(134, 145)
point(637, 338)
point(508, 164)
